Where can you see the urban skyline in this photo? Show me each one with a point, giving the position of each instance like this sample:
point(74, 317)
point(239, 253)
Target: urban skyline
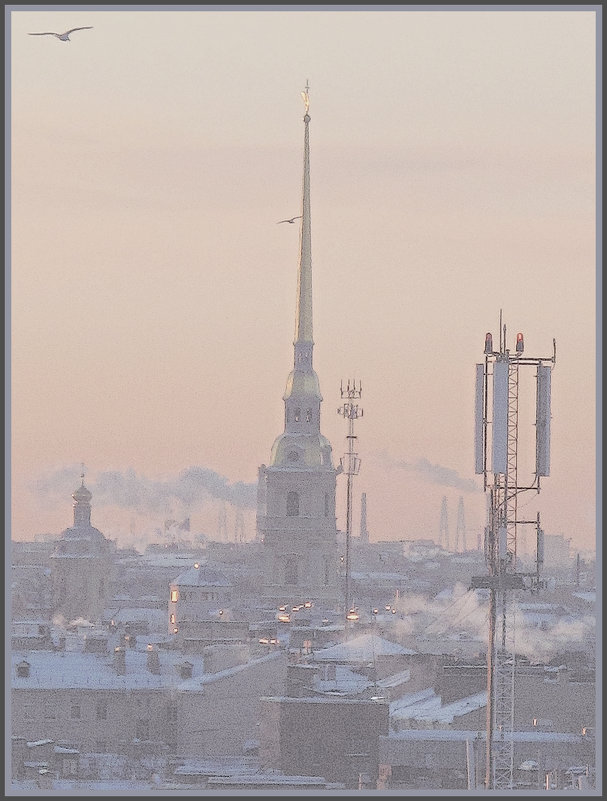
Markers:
point(152, 293)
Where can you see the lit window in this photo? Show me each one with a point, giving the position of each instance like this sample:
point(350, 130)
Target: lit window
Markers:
point(174, 596)
point(172, 619)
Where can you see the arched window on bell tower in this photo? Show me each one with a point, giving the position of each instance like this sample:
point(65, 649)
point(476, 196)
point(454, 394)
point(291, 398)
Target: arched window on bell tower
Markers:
point(292, 504)
point(291, 570)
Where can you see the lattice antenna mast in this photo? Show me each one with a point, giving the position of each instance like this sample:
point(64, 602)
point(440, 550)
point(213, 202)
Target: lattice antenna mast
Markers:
point(350, 465)
point(501, 482)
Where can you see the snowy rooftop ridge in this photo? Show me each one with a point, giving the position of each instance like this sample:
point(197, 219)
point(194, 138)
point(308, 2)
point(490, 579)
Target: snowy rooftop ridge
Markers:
point(361, 649)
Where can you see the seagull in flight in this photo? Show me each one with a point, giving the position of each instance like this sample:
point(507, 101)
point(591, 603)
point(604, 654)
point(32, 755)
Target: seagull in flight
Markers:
point(64, 37)
point(292, 220)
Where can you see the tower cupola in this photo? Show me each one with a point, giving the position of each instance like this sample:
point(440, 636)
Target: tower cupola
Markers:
point(82, 505)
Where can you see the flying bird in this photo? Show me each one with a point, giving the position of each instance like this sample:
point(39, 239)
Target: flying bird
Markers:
point(64, 37)
point(292, 220)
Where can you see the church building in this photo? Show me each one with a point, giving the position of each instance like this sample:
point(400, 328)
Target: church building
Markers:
point(296, 490)
point(82, 565)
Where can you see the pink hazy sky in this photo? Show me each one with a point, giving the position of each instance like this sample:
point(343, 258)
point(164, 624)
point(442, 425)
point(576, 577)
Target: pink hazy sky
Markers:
point(152, 295)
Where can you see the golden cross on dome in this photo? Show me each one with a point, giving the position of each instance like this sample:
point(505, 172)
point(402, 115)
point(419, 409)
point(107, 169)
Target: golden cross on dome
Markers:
point(306, 96)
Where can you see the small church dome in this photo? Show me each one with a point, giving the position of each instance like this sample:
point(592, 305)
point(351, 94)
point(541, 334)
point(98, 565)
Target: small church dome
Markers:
point(82, 495)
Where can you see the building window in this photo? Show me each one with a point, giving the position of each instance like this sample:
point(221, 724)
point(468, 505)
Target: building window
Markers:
point(297, 415)
point(291, 570)
point(326, 572)
point(50, 711)
point(75, 712)
point(174, 596)
point(326, 504)
point(142, 730)
point(293, 456)
point(101, 709)
point(172, 712)
point(308, 415)
point(292, 504)
point(172, 619)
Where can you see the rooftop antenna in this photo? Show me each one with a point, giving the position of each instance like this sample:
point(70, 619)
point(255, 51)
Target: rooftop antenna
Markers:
point(501, 480)
point(350, 464)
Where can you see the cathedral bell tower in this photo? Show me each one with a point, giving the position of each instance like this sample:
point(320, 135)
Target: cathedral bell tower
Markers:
point(296, 491)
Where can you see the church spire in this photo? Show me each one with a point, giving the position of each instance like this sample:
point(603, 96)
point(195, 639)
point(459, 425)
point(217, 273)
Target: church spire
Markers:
point(303, 318)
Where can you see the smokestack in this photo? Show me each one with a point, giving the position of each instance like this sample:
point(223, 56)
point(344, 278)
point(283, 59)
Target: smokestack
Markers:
point(153, 660)
point(120, 660)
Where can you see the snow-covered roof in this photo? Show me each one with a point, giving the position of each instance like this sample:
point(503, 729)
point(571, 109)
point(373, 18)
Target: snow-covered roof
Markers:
point(201, 577)
point(427, 707)
point(361, 649)
point(395, 679)
point(464, 734)
point(77, 670)
point(586, 596)
point(345, 681)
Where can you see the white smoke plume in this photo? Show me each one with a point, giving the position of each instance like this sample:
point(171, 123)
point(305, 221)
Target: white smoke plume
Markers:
point(460, 609)
point(191, 487)
point(432, 473)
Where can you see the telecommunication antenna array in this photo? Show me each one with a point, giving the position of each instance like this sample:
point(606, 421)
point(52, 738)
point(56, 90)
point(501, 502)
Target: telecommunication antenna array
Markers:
point(350, 465)
point(501, 482)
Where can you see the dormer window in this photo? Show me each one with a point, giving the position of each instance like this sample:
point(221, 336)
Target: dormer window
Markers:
point(293, 456)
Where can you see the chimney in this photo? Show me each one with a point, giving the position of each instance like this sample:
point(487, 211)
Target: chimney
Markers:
point(185, 670)
point(153, 660)
point(120, 660)
point(23, 669)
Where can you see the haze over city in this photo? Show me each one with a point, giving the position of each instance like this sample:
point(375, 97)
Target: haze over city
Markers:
point(152, 294)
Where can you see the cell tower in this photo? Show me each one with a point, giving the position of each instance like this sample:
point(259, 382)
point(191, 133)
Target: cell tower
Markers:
point(364, 534)
point(443, 533)
point(350, 465)
point(460, 531)
point(498, 379)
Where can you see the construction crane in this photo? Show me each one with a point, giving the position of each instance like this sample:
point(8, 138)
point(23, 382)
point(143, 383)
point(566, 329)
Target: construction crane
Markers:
point(501, 482)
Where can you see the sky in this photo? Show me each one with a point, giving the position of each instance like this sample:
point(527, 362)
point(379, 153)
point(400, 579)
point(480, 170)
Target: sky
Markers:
point(152, 294)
